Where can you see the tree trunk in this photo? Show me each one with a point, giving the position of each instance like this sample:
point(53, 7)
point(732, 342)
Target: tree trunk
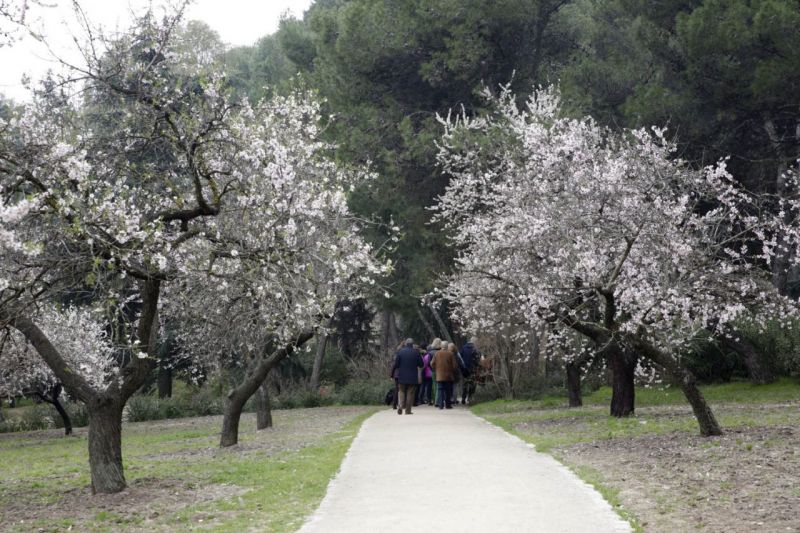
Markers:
point(782, 260)
point(702, 411)
point(394, 334)
point(105, 446)
point(164, 382)
point(386, 350)
point(687, 382)
point(623, 366)
point(445, 332)
point(758, 373)
point(322, 344)
point(574, 384)
point(264, 408)
point(252, 380)
point(428, 326)
point(55, 392)
point(230, 420)
point(64, 416)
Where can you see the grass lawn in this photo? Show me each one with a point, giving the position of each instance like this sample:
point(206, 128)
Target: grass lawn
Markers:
point(178, 477)
point(656, 469)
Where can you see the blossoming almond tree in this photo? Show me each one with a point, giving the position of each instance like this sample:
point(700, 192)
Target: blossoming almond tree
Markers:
point(608, 234)
point(275, 262)
point(111, 169)
point(112, 164)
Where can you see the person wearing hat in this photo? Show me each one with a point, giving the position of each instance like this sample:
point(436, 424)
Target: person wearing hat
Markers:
point(407, 362)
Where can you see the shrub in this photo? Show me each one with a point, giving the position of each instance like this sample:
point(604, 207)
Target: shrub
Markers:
point(143, 407)
point(364, 392)
point(204, 402)
point(301, 398)
point(29, 418)
point(77, 415)
point(186, 402)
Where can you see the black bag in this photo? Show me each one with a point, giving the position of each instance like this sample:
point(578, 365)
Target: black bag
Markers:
point(389, 399)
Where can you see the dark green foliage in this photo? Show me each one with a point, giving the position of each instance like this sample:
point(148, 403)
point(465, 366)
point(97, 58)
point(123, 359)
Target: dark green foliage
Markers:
point(363, 392)
point(386, 70)
point(188, 402)
point(35, 416)
point(29, 418)
point(722, 74)
point(778, 346)
point(352, 326)
point(711, 364)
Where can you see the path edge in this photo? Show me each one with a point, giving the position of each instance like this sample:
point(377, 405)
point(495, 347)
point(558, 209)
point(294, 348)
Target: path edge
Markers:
point(624, 524)
point(329, 489)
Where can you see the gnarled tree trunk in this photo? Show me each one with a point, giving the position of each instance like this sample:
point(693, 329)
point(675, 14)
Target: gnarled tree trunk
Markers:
point(105, 445)
point(264, 408)
point(623, 393)
point(253, 379)
point(686, 381)
point(104, 408)
point(574, 384)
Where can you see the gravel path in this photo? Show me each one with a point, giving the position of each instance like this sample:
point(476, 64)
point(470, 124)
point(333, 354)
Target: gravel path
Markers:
point(454, 471)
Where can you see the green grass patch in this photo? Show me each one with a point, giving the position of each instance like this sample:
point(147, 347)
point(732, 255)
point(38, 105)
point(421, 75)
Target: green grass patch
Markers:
point(783, 390)
point(271, 482)
point(281, 490)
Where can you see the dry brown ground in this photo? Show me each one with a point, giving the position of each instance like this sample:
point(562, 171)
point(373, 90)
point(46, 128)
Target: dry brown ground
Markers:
point(747, 480)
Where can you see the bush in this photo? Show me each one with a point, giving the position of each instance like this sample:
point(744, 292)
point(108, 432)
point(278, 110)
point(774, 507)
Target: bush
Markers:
point(185, 402)
point(29, 418)
point(301, 398)
point(535, 386)
point(77, 412)
point(143, 407)
point(367, 392)
point(205, 403)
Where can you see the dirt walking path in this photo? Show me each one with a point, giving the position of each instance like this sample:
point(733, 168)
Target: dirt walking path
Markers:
point(456, 472)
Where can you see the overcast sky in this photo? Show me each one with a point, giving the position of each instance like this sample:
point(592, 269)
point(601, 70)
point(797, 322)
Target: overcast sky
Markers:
point(238, 22)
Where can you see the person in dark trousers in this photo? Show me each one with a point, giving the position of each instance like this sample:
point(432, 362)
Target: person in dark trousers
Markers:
point(471, 357)
point(407, 362)
point(444, 364)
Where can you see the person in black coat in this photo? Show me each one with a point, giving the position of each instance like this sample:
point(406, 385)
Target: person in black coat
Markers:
point(407, 362)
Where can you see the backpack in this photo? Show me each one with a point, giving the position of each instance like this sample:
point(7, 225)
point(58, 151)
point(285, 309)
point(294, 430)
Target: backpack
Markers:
point(389, 399)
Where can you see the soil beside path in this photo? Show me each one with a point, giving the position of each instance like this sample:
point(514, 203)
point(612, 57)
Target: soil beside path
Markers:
point(453, 470)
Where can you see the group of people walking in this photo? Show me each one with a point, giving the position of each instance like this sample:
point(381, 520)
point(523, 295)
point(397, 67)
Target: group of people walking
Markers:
point(416, 368)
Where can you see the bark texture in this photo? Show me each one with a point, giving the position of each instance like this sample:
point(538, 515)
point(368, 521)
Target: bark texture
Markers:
point(574, 384)
point(623, 366)
point(105, 446)
point(264, 408)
